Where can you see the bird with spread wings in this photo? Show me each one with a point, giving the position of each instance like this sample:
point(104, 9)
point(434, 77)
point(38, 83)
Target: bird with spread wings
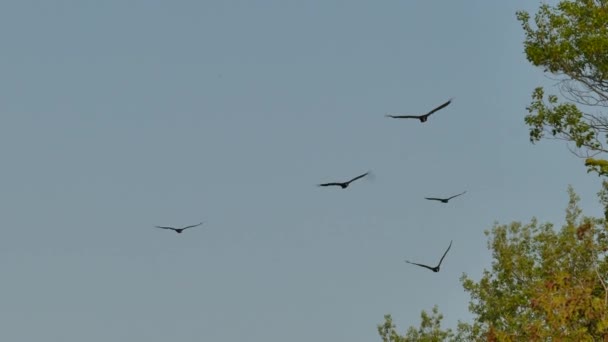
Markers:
point(436, 268)
point(344, 185)
point(423, 117)
point(444, 200)
point(179, 230)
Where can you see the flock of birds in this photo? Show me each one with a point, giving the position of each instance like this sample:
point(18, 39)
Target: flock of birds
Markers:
point(344, 185)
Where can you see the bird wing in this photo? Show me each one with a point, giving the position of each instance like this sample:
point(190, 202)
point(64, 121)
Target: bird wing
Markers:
point(404, 116)
point(446, 252)
point(433, 199)
point(440, 107)
point(330, 184)
point(462, 193)
point(165, 227)
point(421, 265)
point(192, 226)
point(358, 177)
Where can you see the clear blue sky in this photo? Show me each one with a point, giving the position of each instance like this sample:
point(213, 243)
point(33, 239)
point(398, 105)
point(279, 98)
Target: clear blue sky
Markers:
point(116, 116)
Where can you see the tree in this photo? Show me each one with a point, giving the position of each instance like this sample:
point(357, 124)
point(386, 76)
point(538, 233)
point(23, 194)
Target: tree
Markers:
point(544, 285)
point(570, 41)
point(429, 330)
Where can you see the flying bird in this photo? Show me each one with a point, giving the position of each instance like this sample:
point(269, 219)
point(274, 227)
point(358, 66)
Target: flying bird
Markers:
point(345, 184)
point(422, 118)
point(444, 200)
point(436, 268)
point(179, 230)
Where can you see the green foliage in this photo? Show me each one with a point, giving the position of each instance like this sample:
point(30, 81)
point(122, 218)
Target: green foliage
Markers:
point(599, 166)
point(570, 40)
point(429, 330)
point(564, 120)
point(544, 285)
point(388, 331)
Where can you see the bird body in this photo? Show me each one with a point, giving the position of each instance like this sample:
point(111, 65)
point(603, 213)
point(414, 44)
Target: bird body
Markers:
point(422, 118)
point(444, 200)
point(179, 230)
point(436, 268)
point(344, 185)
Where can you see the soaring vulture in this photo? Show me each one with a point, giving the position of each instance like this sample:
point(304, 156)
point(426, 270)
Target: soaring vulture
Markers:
point(444, 200)
point(345, 184)
point(179, 230)
point(423, 117)
point(436, 268)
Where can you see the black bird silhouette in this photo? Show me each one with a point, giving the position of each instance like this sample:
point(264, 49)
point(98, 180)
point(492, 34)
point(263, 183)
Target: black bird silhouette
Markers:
point(345, 184)
point(436, 268)
point(180, 230)
point(444, 200)
point(422, 118)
